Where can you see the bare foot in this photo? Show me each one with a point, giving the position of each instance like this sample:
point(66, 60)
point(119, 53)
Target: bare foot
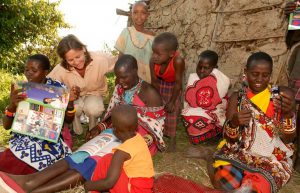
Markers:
point(171, 145)
point(198, 152)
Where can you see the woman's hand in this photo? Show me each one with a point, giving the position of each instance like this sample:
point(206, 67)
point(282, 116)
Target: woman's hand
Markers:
point(74, 93)
point(16, 96)
point(285, 103)
point(240, 118)
point(93, 132)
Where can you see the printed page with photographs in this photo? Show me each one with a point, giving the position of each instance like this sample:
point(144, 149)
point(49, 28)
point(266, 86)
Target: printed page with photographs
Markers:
point(101, 144)
point(294, 20)
point(42, 114)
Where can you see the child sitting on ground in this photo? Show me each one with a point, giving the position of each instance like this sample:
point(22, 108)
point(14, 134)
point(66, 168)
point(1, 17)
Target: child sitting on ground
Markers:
point(129, 169)
point(205, 99)
point(167, 68)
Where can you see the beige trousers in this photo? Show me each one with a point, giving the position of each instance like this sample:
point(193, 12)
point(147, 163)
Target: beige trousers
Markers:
point(92, 107)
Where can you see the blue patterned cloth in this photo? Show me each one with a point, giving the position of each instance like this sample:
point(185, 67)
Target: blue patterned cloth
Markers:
point(38, 153)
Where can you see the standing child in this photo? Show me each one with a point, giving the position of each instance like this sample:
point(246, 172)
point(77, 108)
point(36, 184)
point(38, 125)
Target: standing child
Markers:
point(128, 170)
point(137, 41)
point(167, 68)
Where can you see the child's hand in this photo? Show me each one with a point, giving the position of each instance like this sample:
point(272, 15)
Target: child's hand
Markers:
point(16, 96)
point(170, 107)
point(74, 93)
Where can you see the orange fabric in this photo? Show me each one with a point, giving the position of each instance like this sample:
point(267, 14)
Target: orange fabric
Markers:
point(140, 164)
point(257, 181)
point(124, 184)
point(94, 81)
point(270, 109)
point(169, 75)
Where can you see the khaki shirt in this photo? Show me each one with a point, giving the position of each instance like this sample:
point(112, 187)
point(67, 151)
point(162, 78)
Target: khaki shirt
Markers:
point(94, 81)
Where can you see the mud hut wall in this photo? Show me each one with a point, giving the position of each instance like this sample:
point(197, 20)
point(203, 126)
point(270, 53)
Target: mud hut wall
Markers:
point(233, 28)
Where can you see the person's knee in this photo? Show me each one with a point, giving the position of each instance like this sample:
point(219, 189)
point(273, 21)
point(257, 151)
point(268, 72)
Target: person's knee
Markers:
point(94, 109)
point(94, 112)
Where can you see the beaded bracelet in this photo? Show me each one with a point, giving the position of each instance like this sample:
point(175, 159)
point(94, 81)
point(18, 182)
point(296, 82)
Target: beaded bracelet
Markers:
point(103, 126)
point(71, 111)
point(288, 126)
point(231, 132)
point(8, 113)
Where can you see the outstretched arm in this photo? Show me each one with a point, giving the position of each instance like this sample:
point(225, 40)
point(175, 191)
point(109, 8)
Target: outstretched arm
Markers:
point(97, 129)
point(179, 66)
point(113, 173)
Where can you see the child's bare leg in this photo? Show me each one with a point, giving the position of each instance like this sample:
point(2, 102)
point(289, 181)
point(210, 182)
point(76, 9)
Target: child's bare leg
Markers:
point(32, 181)
point(67, 180)
point(172, 144)
point(207, 155)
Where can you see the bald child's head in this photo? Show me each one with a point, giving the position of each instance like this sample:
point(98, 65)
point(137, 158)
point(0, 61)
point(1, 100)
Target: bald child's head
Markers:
point(125, 121)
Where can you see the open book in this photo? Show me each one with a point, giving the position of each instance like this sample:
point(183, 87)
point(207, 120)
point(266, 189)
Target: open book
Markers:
point(294, 19)
point(101, 144)
point(42, 114)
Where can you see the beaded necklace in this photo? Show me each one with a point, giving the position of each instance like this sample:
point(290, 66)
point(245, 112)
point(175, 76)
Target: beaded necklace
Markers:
point(128, 94)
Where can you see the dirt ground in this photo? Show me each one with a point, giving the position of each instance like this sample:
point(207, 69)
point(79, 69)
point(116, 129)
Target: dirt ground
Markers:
point(188, 168)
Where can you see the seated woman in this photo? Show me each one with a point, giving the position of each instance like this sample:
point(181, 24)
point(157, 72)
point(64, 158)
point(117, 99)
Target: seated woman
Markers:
point(28, 154)
point(86, 70)
point(130, 89)
point(258, 133)
point(205, 99)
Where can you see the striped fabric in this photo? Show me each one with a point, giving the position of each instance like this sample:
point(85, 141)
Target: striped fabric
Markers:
point(166, 90)
point(229, 177)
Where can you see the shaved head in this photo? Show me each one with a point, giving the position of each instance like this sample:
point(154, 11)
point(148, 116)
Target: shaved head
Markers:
point(124, 118)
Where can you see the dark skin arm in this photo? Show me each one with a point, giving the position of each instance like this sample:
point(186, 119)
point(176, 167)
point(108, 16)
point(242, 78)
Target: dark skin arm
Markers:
point(74, 95)
point(150, 96)
point(113, 173)
point(16, 96)
point(286, 104)
point(96, 130)
point(154, 81)
point(236, 118)
point(179, 66)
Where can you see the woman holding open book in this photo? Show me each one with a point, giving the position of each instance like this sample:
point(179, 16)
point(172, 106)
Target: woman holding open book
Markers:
point(27, 154)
